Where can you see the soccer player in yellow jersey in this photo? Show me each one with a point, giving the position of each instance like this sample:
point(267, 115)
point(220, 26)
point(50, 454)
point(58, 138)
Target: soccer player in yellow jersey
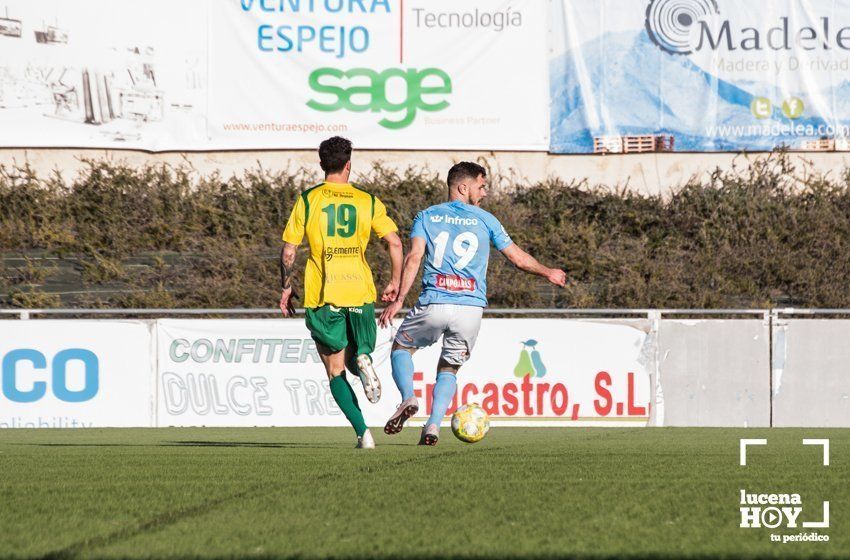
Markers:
point(339, 293)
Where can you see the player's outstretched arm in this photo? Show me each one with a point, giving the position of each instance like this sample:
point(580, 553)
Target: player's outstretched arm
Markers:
point(396, 249)
point(526, 262)
point(287, 271)
point(408, 275)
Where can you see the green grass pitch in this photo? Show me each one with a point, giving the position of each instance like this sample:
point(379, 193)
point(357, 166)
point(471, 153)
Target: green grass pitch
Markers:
point(306, 493)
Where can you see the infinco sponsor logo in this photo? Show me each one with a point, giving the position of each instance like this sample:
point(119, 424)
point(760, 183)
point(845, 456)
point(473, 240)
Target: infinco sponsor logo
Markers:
point(454, 220)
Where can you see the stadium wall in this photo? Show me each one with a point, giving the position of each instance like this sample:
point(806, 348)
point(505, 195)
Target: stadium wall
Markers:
point(715, 372)
point(526, 372)
point(647, 173)
point(811, 384)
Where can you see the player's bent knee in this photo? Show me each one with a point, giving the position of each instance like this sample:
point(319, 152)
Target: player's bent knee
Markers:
point(333, 373)
point(334, 363)
point(447, 366)
point(324, 350)
point(397, 346)
point(453, 359)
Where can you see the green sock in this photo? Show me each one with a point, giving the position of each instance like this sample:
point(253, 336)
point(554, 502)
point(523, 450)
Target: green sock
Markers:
point(346, 399)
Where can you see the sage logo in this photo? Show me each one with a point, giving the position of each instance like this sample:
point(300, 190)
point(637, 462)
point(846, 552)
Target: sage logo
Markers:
point(669, 22)
point(395, 93)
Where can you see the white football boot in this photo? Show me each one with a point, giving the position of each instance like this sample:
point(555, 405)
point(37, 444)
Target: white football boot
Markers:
point(430, 434)
point(404, 411)
point(369, 378)
point(365, 441)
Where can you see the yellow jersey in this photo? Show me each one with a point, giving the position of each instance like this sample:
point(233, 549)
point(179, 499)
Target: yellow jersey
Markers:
point(338, 220)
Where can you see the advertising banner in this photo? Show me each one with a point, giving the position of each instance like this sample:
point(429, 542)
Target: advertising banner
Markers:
point(76, 374)
point(103, 73)
point(700, 75)
point(397, 74)
point(551, 371)
point(257, 372)
point(260, 74)
point(522, 371)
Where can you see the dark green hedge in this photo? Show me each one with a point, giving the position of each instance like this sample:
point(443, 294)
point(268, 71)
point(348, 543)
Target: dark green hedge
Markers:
point(760, 236)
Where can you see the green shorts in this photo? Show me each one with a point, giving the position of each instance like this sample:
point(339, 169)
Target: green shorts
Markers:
point(340, 327)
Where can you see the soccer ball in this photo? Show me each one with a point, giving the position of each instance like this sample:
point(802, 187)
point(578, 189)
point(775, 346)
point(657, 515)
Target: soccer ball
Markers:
point(470, 423)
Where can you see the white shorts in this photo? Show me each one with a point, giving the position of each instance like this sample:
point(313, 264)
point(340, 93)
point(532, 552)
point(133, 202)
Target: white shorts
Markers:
point(457, 324)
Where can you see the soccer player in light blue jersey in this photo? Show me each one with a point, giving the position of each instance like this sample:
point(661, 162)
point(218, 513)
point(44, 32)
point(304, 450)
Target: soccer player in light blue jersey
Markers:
point(454, 239)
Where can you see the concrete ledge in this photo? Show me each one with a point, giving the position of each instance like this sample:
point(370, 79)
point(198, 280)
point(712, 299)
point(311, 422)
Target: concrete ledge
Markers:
point(651, 173)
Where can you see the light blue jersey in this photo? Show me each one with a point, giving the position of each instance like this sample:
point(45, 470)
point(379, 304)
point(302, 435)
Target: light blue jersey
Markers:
point(457, 238)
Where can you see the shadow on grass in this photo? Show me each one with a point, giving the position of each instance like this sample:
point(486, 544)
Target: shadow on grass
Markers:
point(248, 444)
point(272, 445)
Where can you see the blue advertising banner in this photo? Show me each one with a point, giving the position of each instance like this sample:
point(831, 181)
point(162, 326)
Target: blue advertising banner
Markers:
point(699, 75)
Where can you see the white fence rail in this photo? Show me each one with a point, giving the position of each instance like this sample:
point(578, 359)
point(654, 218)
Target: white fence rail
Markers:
point(648, 313)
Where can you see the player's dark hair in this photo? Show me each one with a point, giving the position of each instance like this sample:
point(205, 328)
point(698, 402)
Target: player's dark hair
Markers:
point(464, 170)
point(334, 153)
